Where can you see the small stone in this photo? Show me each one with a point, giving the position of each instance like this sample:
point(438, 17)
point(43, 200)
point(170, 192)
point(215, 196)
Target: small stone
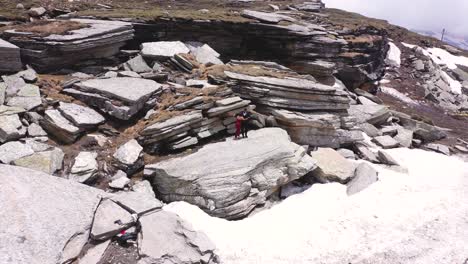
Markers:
point(12, 151)
point(163, 49)
point(387, 159)
point(138, 65)
point(119, 180)
point(85, 167)
point(332, 166)
point(439, 148)
point(386, 142)
point(365, 176)
point(128, 155)
point(34, 130)
point(366, 154)
point(347, 154)
point(130, 74)
point(81, 116)
point(37, 11)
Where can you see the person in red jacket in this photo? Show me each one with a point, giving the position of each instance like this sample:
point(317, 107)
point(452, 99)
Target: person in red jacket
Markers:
point(239, 120)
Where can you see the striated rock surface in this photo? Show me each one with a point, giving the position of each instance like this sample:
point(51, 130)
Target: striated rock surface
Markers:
point(231, 183)
point(316, 128)
point(96, 39)
point(10, 60)
point(80, 116)
point(121, 97)
point(290, 93)
point(36, 233)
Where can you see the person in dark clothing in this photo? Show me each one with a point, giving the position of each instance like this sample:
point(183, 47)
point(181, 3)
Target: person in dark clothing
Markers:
point(245, 122)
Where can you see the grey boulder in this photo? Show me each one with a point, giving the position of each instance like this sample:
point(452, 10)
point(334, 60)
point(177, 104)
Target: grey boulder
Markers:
point(332, 167)
point(85, 167)
point(365, 176)
point(163, 49)
point(48, 218)
point(231, 183)
point(386, 142)
point(12, 151)
point(128, 156)
point(81, 116)
point(166, 238)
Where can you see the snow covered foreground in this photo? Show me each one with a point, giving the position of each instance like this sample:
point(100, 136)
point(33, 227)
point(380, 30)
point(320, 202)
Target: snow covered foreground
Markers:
point(419, 217)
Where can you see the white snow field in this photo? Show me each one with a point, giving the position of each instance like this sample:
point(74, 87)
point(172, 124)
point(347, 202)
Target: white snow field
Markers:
point(415, 218)
point(443, 57)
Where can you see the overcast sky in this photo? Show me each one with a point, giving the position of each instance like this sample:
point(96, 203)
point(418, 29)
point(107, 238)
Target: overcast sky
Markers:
point(413, 14)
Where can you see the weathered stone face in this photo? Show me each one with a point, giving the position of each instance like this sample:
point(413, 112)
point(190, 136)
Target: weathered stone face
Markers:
point(97, 39)
point(231, 183)
point(36, 233)
point(120, 97)
point(9, 53)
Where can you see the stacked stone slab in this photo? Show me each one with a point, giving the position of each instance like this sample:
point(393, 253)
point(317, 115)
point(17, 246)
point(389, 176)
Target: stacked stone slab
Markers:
point(10, 59)
point(313, 114)
point(316, 48)
point(69, 121)
point(291, 93)
point(316, 128)
point(120, 97)
point(187, 129)
point(310, 6)
point(97, 39)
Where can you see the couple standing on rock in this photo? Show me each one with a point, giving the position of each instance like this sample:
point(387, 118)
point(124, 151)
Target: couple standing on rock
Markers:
point(242, 123)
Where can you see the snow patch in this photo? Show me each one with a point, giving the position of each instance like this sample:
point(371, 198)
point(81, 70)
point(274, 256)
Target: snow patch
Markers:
point(393, 55)
point(455, 85)
point(395, 93)
point(411, 46)
point(419, 217)
point(443, 57)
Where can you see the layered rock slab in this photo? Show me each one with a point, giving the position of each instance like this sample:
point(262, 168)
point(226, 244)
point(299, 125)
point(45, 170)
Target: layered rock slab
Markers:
point(120, 97)
point(231, 183)
point(289, 93)
point(36, 232)
point(316, 128)
point(10, 59)
point(95, 39)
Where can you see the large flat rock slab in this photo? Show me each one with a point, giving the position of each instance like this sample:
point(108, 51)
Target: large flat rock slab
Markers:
point(120, 97)
point(95, 39)
point(163, 49)
point(10, 59)
point(46, 219)
point(293, 93)
point(228, 179)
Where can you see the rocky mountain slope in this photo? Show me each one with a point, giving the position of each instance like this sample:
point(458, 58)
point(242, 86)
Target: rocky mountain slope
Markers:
point(126, 110)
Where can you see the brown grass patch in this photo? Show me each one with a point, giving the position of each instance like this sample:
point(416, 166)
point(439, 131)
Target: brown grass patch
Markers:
point(45, 28)
point(51, 86)
point(248, 69)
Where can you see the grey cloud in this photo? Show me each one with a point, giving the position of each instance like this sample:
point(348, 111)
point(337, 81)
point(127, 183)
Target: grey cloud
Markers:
point(413, 14)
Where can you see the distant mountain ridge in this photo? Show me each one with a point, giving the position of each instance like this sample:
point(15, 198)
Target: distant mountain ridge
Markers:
point(449, 38)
